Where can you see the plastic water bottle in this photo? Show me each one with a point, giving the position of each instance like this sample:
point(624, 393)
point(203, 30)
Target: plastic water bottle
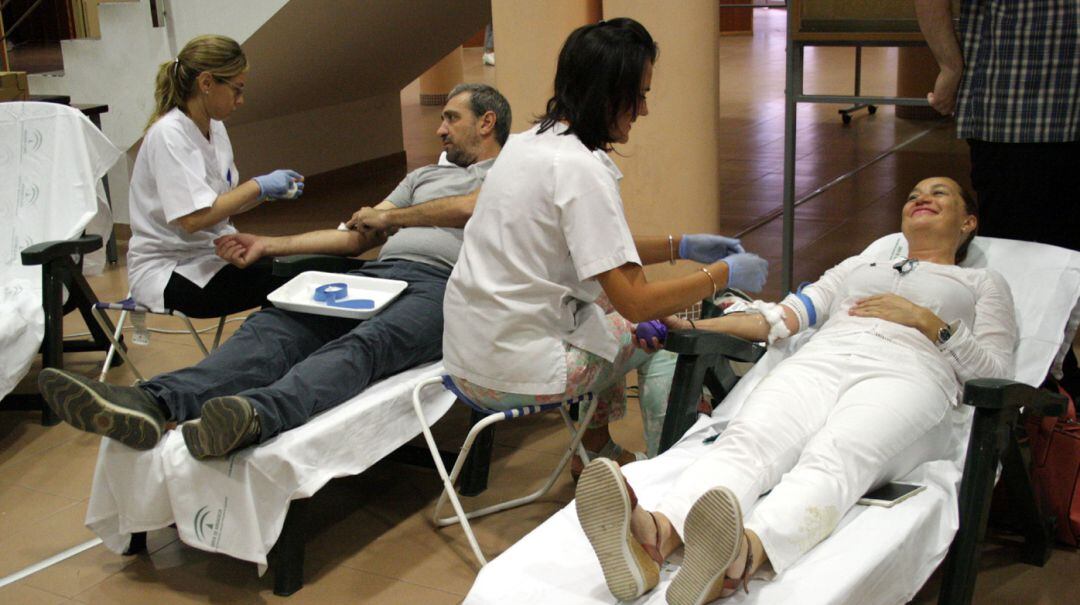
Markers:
point(141, 335)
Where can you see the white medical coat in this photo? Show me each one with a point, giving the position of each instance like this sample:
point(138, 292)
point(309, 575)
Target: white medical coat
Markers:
point(177, 172)
point(549, 219)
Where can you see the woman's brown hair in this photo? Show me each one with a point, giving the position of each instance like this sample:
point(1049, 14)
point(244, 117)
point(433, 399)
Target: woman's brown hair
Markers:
point(219, 56)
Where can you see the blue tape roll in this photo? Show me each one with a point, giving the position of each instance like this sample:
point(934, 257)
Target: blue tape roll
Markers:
point(330, 292)
point(333, 295)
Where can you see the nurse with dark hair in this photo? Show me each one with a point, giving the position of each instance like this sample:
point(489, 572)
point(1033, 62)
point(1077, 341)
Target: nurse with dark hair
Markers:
point(540, 306)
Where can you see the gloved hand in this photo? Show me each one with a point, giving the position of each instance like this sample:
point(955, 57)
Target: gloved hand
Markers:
point(746, 271)
point(279, 184)
point(708, 248)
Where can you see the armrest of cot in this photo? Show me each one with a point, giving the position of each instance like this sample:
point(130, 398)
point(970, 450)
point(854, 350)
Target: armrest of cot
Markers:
point(997, 405)
point(44, 252)
point(704, 361)
point(291, 266)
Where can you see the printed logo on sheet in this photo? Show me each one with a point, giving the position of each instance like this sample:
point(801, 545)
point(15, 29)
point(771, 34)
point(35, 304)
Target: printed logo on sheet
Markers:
point(208, 523)
point(32, 140)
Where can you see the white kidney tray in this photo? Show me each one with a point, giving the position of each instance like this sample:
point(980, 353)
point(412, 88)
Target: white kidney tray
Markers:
point(298, 294)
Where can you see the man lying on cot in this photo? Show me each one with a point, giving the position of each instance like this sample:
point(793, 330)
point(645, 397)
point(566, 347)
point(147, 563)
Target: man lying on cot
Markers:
point(282, 367)
point(896, 340)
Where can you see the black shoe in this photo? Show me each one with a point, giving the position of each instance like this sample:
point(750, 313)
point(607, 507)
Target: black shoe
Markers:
point(127, 414)
point(226, 425)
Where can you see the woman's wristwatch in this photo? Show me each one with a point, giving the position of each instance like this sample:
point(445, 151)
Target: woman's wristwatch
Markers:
point(944, 333)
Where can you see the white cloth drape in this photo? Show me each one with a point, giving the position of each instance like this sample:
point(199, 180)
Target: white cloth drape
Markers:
point(52, 159)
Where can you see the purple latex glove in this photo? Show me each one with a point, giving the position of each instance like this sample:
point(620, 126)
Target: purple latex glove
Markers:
point(647, 330)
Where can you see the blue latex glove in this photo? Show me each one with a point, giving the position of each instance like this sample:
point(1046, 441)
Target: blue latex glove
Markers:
point(746, 271)
point(280, 184)
point(708, 248)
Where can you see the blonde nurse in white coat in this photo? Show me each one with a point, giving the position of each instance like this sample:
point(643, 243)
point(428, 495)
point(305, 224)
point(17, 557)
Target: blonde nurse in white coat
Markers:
point(185, 186)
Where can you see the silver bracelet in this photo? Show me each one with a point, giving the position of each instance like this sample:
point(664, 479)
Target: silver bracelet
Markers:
point(671, 249)
point(711, 280)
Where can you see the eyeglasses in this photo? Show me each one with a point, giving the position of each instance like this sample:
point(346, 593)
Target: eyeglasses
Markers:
point(238, 91)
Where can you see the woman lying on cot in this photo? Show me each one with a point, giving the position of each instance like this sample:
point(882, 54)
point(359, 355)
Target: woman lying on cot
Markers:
point(185, 186)
point(895, 342)
point(526, 319)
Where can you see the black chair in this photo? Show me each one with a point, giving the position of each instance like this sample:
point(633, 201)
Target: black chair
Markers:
point(705, 361)
point(59, 272)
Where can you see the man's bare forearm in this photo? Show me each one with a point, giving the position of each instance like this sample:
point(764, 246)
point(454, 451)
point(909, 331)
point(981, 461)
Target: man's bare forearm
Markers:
point(936, 22)
point(327, 241)
point(453, 211)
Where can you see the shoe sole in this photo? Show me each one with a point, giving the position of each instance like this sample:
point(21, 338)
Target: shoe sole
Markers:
point(83, 408)
point(219, 428)
point(603, 508)
point(713, 531)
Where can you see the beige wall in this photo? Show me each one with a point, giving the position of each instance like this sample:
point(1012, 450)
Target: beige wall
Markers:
point(440, 78)
point(670, 182)
point(321, 139)
point(528, 36)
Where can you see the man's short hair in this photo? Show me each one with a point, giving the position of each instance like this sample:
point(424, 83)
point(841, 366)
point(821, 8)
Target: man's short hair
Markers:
point(484, 98)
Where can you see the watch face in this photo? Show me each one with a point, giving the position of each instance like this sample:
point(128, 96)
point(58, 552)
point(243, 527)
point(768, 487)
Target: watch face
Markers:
point(943, 335)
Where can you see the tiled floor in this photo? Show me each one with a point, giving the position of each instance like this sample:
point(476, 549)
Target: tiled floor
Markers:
point(372, 541)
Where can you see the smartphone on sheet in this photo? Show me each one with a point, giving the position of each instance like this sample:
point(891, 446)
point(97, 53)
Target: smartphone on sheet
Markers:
point(890, 494)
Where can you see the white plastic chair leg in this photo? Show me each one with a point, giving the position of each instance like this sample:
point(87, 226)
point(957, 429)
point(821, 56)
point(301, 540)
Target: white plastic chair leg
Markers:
point(449, 492)
point(194, 333)
point(575, 441)
point(217, 335)
point(441, 468)
point(114, 342)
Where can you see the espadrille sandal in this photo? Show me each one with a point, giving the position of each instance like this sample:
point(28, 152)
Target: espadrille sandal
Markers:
point(714, 538)
point(604, 505)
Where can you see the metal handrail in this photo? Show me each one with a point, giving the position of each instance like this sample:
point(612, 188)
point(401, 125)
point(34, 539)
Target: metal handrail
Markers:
point(156, 16)
point(19, 21)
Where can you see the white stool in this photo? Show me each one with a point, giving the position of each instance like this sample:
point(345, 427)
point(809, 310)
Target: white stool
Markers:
point(493, 416)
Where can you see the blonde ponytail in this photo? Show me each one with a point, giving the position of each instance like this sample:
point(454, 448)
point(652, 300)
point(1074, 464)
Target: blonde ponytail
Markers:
point(220, 56)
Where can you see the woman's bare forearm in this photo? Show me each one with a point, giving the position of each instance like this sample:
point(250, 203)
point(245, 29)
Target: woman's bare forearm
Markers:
point(654, 249)
point(637, 299)
point(232, 202)
point(750, 325)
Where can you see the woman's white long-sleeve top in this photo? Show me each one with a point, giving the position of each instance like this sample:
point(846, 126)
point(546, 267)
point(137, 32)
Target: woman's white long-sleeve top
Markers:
point(976, 303)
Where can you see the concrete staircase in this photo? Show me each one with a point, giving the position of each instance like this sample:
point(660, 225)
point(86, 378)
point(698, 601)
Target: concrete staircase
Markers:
point(325, 75)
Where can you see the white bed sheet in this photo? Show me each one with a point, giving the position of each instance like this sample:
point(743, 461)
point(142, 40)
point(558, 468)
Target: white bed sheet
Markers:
point(52, 159)
point(876, 555)
point(237, 505)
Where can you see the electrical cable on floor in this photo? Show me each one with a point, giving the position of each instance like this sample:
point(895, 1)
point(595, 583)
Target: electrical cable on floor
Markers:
point(162, 330)
point(53, 560)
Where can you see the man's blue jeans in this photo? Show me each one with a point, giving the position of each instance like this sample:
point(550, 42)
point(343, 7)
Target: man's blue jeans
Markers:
point(294, 365)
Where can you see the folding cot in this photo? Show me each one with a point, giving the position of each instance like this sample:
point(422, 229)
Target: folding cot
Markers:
point(251, 505)
point(876, 555)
